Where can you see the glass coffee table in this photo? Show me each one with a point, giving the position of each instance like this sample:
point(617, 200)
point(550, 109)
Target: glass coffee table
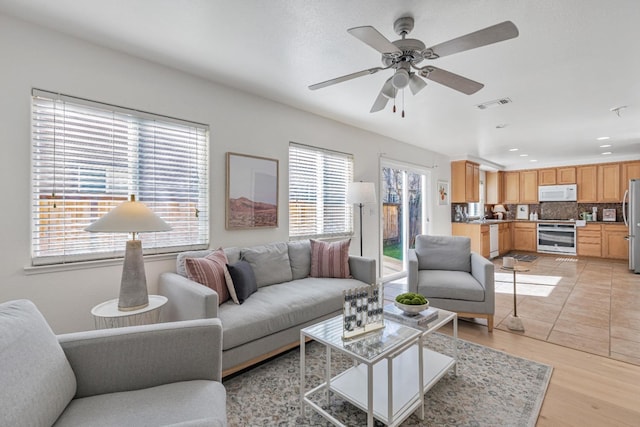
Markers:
point(382, 381)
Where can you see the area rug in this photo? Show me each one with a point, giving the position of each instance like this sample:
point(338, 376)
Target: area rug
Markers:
point(492, 388)
point(524, 258)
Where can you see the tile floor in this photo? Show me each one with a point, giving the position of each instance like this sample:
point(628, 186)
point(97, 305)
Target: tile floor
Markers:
point(584, 303)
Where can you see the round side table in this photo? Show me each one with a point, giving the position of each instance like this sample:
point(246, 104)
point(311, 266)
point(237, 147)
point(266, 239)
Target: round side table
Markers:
point(106, 315)
point(515, 323)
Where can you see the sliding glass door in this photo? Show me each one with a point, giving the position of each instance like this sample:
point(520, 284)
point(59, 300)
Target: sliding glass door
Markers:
point(404, 214)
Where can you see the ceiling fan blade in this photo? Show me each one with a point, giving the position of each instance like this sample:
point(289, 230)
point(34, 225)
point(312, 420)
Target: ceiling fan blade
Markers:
point(496, 33)
point(345, 78)
point(416, 84)
point(373, 38)
point(385, 94)
point(452, 80)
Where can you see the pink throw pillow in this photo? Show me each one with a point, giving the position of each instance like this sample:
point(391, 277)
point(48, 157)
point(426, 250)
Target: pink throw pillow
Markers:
point(330, 259)
point(211, 271)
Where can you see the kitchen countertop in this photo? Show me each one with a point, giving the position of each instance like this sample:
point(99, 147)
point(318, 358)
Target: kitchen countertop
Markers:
point(559, 221)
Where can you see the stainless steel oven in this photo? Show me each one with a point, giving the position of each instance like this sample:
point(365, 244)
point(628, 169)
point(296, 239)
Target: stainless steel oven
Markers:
point(557, 238)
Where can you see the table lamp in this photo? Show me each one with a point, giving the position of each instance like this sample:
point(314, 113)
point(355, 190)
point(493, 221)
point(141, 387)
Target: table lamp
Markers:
point(131, 217)
point(360, 193)
point(499, 210)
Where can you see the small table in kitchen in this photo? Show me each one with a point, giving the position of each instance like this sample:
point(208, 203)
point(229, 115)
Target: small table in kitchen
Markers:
point(515, 323)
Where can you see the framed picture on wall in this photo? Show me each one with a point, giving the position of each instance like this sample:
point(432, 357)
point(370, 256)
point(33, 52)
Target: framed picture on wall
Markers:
point(252, 192)
point(443, 192)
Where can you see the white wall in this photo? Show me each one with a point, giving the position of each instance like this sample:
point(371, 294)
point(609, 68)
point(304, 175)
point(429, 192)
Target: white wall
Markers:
point(240, 122)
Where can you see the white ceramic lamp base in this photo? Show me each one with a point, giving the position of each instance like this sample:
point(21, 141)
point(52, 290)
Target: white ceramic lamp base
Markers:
point(133, 288)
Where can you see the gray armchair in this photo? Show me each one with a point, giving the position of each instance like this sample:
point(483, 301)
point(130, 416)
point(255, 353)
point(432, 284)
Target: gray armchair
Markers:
point(153, 375)
point(451, 277)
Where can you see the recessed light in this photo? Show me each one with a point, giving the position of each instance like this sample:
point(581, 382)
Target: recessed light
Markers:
point(602, 138)
point(513, 149)
point(605, 145)
point(533, 160)
point(606, 152)
point(524, 155)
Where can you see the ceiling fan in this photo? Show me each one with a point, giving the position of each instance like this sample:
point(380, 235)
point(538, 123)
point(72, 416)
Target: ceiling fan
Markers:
point(404, 55)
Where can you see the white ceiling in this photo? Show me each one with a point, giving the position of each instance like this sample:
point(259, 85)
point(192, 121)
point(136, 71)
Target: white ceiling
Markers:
point(573, 61)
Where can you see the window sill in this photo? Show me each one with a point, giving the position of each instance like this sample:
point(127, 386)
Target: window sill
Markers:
point(82, 265)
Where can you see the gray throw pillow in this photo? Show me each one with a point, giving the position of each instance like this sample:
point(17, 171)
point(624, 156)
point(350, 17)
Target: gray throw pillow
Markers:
point(244, 281)
point(270, 263)
point(300, 258)
point(451, 253)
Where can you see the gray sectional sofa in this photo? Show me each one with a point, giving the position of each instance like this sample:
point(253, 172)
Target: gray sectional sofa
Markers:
point(269, 321)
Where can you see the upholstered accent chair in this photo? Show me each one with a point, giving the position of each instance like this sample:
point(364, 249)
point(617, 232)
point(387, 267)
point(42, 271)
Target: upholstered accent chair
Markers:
point(164, 374)
point(451, 277)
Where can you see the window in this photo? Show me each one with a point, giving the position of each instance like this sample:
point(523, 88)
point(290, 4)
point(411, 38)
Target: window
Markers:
point(88, 157)
point(318, 182)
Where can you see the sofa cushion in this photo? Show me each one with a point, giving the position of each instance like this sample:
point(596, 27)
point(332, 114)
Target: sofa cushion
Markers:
point(161, 405)
point(244, 281)
point(330, 259)
point(457, 285)
point(443, 253)
point(270, 263)
point(276, 308)
point(37, 380)
point(300, 258)
point(211, 271)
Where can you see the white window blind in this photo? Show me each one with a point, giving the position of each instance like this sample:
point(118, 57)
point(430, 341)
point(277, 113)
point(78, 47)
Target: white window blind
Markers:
point(88, 157)
point(318, 182)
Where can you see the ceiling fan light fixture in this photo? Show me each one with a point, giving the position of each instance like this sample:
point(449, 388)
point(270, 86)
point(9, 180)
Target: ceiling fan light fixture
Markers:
point(400, 79)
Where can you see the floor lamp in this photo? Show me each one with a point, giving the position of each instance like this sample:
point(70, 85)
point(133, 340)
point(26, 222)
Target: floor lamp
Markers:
point(131, 217)
point(360, 193)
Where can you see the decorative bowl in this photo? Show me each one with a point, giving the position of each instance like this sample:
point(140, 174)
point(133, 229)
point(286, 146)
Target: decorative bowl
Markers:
point(411, 310)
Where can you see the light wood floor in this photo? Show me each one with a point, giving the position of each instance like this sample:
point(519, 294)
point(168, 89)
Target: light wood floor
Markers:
point(586, 389)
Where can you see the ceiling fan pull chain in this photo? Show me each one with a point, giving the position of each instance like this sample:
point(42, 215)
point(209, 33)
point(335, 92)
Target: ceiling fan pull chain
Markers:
point(403, 103)
point(395, 92)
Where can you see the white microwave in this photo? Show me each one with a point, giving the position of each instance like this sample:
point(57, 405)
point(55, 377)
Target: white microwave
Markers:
point(558, 193)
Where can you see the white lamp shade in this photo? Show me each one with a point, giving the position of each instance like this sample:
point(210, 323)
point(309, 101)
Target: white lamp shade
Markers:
point(129, 217)
point(361, 192)
point(499, 208)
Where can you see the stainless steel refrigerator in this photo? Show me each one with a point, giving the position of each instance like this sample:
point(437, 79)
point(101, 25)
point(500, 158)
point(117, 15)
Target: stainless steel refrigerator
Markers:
point(631, 213)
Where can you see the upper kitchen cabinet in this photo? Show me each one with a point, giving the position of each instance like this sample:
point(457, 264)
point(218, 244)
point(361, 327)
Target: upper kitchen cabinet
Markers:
point(547, 176)
point(511, 181)
point(609, 183)
point(566, 175)
point(465, 182)
point(493, 185)
point(629, 170)
point(529, 186)
point(587, 180)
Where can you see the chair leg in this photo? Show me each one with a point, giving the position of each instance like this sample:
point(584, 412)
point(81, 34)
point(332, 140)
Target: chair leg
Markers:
point(490, 322)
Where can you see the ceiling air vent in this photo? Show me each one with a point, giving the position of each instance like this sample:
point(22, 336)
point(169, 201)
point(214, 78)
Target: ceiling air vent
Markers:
point(494, 103)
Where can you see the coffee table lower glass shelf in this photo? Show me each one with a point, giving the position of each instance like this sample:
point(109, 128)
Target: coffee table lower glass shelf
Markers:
point(391, 357)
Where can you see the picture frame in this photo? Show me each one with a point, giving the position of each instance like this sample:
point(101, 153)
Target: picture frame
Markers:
point(443, 192)
point(522, 212)
point(251, 192)
point(609, 215)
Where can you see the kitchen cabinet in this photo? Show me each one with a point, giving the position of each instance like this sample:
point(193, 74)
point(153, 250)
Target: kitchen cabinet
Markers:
point(629, 170)
point(587, 180)
point(478, 233)
point(525, 236)
point(589, 240)
point(528, 186)
point(465, 182)
point(566, 175)
point(505, 237)
point(609, 183)
point(511, 181)
point(547, 176)
point(614, 243)
point(493, 186)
